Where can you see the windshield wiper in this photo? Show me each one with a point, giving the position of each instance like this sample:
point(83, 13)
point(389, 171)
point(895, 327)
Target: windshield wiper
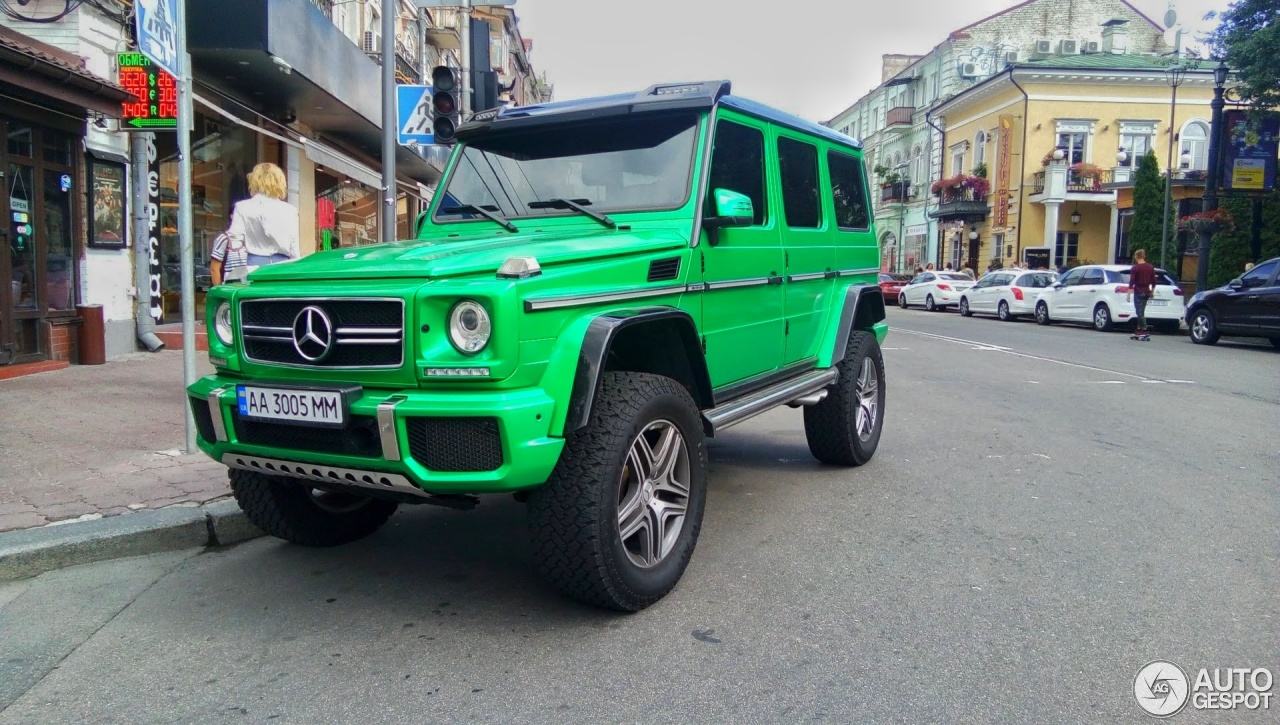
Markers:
point(485, 211)
point(578, 205)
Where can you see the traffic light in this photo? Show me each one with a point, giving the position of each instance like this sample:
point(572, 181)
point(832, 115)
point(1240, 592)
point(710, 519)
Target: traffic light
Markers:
point(445, 98)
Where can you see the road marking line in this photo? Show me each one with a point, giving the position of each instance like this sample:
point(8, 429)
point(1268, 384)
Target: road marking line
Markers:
point(1185, 382)
point(1154, 382)
point(1011, 351)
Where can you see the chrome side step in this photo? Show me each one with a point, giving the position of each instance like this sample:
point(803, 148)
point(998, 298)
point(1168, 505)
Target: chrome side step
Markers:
point(749, 406)
point(376, 480)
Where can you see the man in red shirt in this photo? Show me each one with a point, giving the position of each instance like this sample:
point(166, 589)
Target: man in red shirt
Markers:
point(1142, 279)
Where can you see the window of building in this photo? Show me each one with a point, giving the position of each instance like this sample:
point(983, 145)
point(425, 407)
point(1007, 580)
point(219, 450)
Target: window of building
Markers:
point(848, 192)
point(1195, 143)
point(798, 170)
point(738, 165)
point(1137, 139)
point(917, 169)
point(1074, 144)
point(979, 148)
point(1071, 250)
point(957, 160)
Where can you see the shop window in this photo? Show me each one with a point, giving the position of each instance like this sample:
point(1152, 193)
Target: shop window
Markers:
point(1071, 250)
point(21, 140)
point(57, 148)
point(22, 240)
point(59, 270)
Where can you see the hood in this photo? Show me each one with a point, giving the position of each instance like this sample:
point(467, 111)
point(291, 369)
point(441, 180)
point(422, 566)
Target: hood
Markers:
point(465, 255)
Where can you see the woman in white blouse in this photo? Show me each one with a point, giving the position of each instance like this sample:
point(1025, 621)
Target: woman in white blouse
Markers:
point(266, 222)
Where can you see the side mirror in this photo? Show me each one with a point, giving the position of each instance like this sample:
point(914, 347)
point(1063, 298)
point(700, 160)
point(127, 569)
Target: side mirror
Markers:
point(732, 210)
point(1236, 283)
point(417, 224)
point(1059, 285)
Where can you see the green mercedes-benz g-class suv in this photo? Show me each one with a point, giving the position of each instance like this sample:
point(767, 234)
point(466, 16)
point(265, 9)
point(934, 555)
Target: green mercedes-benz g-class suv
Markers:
point(597, 287)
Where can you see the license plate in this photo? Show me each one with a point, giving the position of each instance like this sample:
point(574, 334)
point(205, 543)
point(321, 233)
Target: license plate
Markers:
point(314, 407)
point(1157, 303)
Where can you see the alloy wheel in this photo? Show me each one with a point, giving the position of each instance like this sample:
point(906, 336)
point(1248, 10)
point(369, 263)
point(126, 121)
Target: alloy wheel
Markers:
point(1003, 311)
point(1200, 326)
point(868, 390)
point(1101, 318)
point(654, 496)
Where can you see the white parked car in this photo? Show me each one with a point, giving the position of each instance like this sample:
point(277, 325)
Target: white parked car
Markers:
point(936, 290)
point(1006, 293)
point(1100, 295)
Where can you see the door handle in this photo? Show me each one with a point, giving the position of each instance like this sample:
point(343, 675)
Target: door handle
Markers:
point(775, 279)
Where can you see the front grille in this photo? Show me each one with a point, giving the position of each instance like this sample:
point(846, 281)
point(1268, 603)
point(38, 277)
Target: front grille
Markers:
point(204, 419)
point(363, 333)
point(359, 438)
point(455, 444)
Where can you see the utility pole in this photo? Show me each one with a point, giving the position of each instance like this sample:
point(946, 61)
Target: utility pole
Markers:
point(185, 234)
point(1215, 173)
point(387, 218)
point(464, 33)
point(1174, 76)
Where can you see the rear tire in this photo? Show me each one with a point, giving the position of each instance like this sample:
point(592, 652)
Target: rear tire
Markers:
point(1203, 328)
point(964, 307)
point(929, 305)
point(902, 300)
point(844, 429)
point(296, 511)
point(1042, 314)
point(1002, 311)
point(1102, 318)
point(602, 524)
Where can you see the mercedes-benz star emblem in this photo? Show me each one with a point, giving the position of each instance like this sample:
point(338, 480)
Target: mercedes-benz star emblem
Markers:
point(312, 334)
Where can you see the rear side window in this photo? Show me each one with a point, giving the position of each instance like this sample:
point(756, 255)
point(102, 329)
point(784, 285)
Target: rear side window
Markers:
point(848, 191)
point(1259, 275)
point(798, 164)
point(957, 277)
point(1036, 281)
point(737, 164)
point(1092, 276)
point(1122, 277)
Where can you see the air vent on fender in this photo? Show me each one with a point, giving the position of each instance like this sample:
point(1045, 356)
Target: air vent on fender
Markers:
point(664, 269)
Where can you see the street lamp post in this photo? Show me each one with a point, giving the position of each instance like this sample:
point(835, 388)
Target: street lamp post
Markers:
point(1173, 76)
point(1211, 182)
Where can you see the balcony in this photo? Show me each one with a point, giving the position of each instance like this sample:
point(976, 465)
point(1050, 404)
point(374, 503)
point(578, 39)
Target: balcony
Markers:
point(1095, 181)
point(896, 193)
point(960, 205)
point(1123, 177)
point(899, 118)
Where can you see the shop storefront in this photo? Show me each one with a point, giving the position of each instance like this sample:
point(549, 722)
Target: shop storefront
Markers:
point(46, 98)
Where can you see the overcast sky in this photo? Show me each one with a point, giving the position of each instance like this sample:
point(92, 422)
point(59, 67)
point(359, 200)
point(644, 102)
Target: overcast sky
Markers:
point(809, 57)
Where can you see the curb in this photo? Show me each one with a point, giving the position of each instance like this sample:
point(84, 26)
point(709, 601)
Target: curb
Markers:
point(30, 552)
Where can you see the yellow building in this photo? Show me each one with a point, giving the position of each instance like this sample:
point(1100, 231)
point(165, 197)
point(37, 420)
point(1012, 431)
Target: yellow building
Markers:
point(1098, 113)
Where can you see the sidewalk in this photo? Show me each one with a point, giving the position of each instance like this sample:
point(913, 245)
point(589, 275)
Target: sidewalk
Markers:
point(97, 441)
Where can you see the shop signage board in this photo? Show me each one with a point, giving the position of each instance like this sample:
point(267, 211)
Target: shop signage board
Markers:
point(1004, 172)
point(155, 92)
point(157, 25)
point(413, 114)
point(1251, 146)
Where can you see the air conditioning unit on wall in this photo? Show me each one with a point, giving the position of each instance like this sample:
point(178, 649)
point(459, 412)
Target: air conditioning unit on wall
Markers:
point(372, 42)
point(968, 70)
point(1091, 46)
point(1044, 47)
point(1011, 57)
point(1068, 47)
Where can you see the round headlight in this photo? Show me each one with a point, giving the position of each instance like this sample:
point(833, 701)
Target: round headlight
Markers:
point(469, 327)
point(222, 323)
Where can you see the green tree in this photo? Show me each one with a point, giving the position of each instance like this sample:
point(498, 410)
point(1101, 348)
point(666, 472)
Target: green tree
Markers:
point(1248, 38)
point(1148, 206)
point(1230, 250)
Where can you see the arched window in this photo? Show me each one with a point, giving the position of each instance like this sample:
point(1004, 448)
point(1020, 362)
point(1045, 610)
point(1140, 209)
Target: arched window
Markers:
point(980, 148)
point(1195, 143)
point(917, 171)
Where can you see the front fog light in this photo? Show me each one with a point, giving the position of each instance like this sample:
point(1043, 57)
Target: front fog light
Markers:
point(469, 327)
point(222, 323)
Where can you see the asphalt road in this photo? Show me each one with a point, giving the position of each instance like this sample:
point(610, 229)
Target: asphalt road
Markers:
point(1050, 509)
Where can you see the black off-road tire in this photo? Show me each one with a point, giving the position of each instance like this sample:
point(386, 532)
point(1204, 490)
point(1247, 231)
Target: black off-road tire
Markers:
point(285, 508)
point(573, 518)
point(830, 426)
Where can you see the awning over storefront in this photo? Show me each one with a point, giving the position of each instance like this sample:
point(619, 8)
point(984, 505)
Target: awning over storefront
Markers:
point(289, 60)
point(43, 69)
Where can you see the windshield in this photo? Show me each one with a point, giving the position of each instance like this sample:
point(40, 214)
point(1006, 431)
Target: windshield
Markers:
point(640, 163)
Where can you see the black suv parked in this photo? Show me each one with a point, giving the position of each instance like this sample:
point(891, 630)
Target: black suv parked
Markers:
point(1249, 306)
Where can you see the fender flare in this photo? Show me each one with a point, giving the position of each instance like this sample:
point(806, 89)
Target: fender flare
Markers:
point(863, 308)
point(600, 335)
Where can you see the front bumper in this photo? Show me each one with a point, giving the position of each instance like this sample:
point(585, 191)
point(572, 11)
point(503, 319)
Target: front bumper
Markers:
point(393, 432)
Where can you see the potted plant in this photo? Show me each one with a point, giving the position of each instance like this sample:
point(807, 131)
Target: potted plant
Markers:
point(887, 176)
point(1211, 222)
point(980, 169)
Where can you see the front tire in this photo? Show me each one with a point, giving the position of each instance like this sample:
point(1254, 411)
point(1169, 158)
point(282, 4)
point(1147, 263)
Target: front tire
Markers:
point(1102, 318)
point(964, 307)
point(1042, 314)
point(1002, 311)
point(929, 305)
point(902, 300)
point(296, 511)
point(844, 429)
point(617, 522)
point(1203, 328)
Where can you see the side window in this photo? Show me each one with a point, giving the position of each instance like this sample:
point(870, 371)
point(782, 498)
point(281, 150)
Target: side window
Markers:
point(1093, 276)
point(798, 167)
point(1260, 275)
point(848, 191)
point(1072, 277)
point(737, 164)
point(926, 278)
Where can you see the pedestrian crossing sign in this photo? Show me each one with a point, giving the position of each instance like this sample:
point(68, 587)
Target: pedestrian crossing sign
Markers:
point(413, 112)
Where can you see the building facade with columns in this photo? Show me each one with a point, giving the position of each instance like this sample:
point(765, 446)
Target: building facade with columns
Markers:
point(1100, 112)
